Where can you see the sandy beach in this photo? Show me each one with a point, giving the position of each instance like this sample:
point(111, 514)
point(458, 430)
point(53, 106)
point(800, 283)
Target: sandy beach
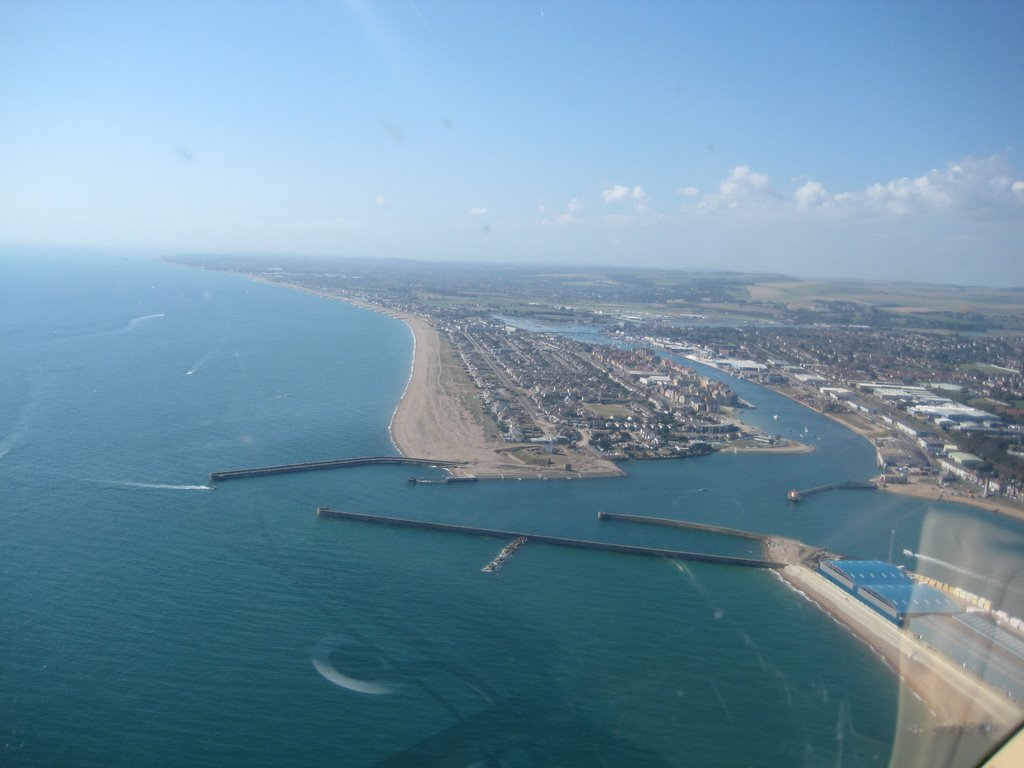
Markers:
point(440, 417)
point(928, 488)
point(434, 418)
point(954, 695)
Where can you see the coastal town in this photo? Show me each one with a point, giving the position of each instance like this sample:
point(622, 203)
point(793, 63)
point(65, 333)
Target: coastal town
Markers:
point(507, 387)
point(571, 373)
point(624, 403)
point(433, 384)
point(942, 411)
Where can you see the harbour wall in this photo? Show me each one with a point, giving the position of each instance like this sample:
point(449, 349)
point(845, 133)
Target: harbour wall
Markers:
point(864, 485)
point(559, 541)
point(682, 524)
point(311, 466)
point(774, 549)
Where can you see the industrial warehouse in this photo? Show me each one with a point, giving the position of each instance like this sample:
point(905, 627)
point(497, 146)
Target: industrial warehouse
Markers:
point(887, 589)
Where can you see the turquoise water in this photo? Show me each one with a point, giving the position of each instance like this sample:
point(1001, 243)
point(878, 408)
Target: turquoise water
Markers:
point(148, 620)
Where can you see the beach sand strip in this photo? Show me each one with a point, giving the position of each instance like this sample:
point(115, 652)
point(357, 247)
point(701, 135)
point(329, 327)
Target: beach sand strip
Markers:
point(953, 694)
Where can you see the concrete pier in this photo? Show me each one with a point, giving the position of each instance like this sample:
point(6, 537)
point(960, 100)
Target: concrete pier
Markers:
point(866, 485)
point(683, 524)
point(443, 480)
point(554, 540)
point(310, 466)
point(774, 549)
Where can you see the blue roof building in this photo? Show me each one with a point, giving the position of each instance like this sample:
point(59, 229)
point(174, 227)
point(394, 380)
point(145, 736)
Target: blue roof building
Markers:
point(850, 574)
point(887, 589)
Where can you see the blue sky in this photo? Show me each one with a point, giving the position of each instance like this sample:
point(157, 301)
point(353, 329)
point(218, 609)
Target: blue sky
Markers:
point(819, 139)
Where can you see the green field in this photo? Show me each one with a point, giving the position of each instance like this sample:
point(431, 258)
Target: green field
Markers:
point(608, 411)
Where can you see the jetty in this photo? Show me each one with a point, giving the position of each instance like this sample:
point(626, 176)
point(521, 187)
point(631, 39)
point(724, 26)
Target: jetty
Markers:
point(506, 552)
point(312, 466)
point(451, 479)
point(663, 521)
point(798, 495)
point(774, 549)
point(558, 541)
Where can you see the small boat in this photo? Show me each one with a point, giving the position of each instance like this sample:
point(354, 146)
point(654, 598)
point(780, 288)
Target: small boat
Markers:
point(908, 553)
point(793, 495)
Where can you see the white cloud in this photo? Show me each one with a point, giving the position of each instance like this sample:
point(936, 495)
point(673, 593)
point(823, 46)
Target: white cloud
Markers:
point(960, 222)
point(619, 192)
point(971, 188)
point(810, 195)
point(615, 194)
point(477, 211)
point(381, 201)
point(573, 207)
point(944, 207)
point(741, 181)
point(742, 188)
point(902, 196)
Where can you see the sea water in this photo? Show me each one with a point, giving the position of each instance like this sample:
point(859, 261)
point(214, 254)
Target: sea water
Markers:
point(150, 619)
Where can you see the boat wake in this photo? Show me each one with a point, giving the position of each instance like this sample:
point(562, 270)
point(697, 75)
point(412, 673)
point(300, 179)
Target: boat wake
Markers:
point(7, 443)
point(160, 486)
point(138, 321)
point(199, 364)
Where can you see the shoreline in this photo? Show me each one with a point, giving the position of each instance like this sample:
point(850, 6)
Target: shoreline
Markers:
point(432, 420)
point(483, 454)
point(857, 428)
point(955, 696)
point(928, 490)
point(794, 447)
point(916, 488)
point(409, 441)
point(434, 416)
